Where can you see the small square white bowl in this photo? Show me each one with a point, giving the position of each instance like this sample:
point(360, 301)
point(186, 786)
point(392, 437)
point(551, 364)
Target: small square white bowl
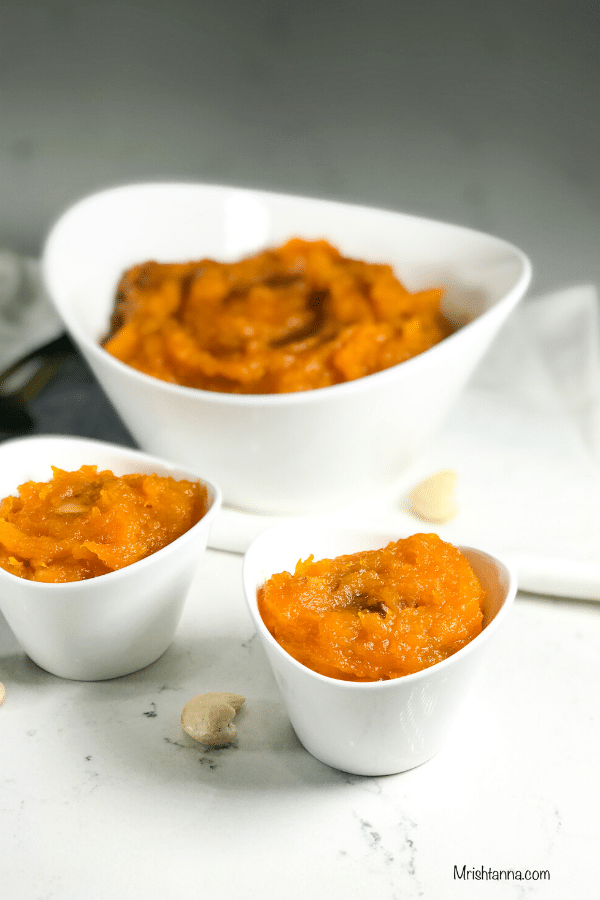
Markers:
point(113, 624)
point(380, 727)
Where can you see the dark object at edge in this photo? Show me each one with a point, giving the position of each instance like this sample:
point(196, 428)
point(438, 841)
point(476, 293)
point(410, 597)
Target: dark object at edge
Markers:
point(37, 369)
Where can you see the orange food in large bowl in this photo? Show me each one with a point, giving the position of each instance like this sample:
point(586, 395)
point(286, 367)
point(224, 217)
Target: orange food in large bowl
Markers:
point(86, 523)
point(378, 614)
point(294, 318)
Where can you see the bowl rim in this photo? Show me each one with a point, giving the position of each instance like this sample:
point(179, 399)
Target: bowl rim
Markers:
point(389, 684)
point(93, 583)
point(312, 395)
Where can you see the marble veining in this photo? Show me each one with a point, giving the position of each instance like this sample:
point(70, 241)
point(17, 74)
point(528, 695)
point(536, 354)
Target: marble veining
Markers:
point(105, 771)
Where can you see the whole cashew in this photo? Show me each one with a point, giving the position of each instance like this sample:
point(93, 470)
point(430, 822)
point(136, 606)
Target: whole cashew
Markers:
point(433, 499)
point(207, 718)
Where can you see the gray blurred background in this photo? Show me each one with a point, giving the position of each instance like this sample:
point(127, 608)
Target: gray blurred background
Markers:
point(484, 114)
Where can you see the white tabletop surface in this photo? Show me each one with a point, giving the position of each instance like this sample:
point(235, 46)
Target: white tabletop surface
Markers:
point(103, 794)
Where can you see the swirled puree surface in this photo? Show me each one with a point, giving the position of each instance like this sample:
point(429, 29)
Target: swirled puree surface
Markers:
point(376, 615)
point(86, 523)
point(294, 318)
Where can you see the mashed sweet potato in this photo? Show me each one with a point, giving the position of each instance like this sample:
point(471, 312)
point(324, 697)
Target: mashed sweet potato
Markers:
point(376, 615)
point(82, 524)
point(294, 318)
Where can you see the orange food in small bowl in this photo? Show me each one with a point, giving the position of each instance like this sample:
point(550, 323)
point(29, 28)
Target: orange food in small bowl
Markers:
point(378, 614)
point(86, 523)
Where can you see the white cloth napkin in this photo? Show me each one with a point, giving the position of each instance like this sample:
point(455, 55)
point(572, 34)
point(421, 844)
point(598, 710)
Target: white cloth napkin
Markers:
point(524, 441)
point(27, 317)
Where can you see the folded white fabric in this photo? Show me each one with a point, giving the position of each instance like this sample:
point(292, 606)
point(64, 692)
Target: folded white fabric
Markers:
point(524, 441)
point(27, 317)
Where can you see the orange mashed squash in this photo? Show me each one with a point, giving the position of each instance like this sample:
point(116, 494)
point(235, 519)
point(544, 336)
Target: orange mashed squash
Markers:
point(378, 614)
point(294, 318)
point(82, 524)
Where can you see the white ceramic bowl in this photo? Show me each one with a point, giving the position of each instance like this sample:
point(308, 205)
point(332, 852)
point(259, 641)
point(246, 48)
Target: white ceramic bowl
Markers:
point(369, 728)
point(114, 624)
point(291, 453)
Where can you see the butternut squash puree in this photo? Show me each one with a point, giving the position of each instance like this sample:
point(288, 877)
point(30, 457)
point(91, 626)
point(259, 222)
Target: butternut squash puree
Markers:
point(88, 523)
point(376, 615)
point(289, 319)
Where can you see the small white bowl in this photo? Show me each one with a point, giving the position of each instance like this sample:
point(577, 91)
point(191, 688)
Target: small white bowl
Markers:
point(114, 624)
point(369, 728)
point(281, 453)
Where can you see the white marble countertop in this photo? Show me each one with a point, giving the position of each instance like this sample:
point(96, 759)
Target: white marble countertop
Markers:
point(102, 795)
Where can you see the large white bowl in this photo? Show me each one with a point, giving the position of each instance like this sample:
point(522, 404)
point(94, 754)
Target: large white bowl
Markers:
point(369, 728)
point(287, 453)
point(114, 624)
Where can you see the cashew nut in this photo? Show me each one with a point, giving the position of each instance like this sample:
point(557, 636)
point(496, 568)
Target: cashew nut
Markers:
point(433, 499)
point(71, 508)
point(2, 693)
point(207, 718)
